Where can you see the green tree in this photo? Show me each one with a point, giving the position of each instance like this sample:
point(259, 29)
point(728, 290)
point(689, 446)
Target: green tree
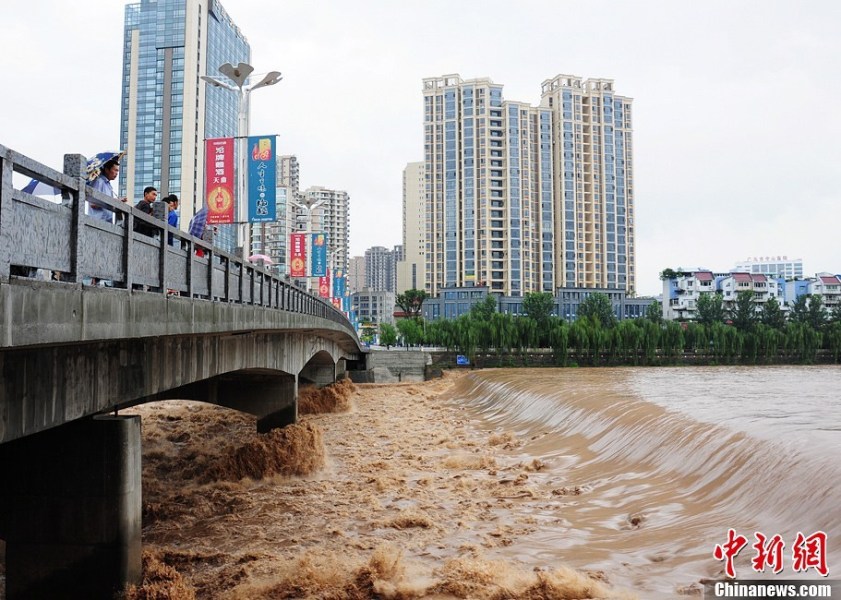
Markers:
point(816, 313)
point(388, 335)
point(671, 339)
point(411, 330)
point(411, 301)
point(597, 305)
point(800, 310)
point(504, 331)
point(559, 340)
point(484, 309)
point(833, 339)
point(539, 306)
point(630, 337)
point(654, 312)
point(772, 315)
point(711, 309)
point(744, 311)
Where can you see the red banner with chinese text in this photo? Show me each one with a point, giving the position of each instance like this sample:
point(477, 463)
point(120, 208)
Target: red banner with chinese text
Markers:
point(324, 285)
point(219, 180)
point(298, 255)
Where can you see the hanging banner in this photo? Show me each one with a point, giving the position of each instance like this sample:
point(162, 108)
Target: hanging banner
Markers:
point(339, 284)
point(219, 180)
point(262, 175)
point(324, 285)
point(318, 252)
point(298, 255)
point(337, 303)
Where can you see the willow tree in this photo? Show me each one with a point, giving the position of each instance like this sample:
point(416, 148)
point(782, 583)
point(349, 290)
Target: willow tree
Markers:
point(411, 302)
point(711, 309)
point(597, 305)
point(559, 340)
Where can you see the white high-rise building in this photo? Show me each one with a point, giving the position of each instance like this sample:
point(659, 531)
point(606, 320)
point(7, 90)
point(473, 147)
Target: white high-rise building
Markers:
point(356, 274)
point(330, 214)
point(411, 271)
point(775, 266)
point(381, 268)
point(522, 198)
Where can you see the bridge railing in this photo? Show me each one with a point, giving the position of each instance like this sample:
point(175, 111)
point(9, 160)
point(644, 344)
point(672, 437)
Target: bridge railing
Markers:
point(39, 234)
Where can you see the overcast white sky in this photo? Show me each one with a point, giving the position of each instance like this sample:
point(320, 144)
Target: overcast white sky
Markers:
point(737, 128)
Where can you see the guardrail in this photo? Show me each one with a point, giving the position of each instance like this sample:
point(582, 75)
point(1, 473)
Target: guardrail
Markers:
point(38, 234)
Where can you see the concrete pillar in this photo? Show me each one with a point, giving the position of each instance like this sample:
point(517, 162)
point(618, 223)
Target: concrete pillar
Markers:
point(70, 509)
point(320, 374)
point(271, 398)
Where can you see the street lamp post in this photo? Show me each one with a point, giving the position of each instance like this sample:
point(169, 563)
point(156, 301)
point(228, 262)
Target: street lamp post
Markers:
point(308, 206)
point(238, 74)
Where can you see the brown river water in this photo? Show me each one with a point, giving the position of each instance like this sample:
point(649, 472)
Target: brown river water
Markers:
point(509, 483)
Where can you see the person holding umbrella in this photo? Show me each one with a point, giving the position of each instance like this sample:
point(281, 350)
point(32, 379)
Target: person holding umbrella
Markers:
point(102, 169)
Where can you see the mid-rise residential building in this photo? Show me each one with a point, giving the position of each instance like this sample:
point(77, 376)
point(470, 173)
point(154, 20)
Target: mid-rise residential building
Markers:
point(329, 211)
point(682, 290)
point(378, 267)
point(828, 287)
point(381, 268)
point(522, 198)
point(356, 274)
point(376, 306)
point(289, 172)
point(762, 288)
point(451, 303)
point(167, 111)
point(411, 271)
point(774, 266)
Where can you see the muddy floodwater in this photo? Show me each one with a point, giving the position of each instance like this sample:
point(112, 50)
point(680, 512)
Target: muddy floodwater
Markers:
point(508, 483)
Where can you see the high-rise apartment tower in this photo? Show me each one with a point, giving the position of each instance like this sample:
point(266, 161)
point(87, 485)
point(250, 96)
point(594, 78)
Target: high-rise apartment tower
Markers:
point(522, 198)
point(411, 270)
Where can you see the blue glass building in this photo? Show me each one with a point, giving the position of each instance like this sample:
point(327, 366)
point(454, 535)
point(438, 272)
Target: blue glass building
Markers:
point(167, 111)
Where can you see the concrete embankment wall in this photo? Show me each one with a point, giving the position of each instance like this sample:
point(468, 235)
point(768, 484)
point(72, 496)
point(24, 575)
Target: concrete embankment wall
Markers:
point(392, 366)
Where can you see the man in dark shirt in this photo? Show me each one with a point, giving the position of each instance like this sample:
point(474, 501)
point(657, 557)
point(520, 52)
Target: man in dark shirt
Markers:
point(150, 194)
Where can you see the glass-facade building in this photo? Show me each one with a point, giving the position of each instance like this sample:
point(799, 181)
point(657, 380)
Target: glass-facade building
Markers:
point(522, 198)
point(167, 111)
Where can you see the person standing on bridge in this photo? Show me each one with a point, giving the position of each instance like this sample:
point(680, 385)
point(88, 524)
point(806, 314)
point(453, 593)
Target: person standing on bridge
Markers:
point(172, 214)
point(197, 225)
point(102, 169)
point(150, 194)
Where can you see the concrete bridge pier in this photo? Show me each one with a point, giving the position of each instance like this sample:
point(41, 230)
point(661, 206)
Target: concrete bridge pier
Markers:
point(70, 509)
point(271, 397)
point(320, 370)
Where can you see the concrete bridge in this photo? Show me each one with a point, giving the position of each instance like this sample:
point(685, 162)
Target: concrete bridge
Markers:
point(212, 328)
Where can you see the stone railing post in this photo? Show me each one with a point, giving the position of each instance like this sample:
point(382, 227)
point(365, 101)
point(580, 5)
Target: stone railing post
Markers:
point(5, 210)
point(75, 166)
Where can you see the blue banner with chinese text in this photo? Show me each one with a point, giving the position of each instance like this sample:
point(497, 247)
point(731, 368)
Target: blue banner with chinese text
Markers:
point(318, 254)
point(262, 175)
